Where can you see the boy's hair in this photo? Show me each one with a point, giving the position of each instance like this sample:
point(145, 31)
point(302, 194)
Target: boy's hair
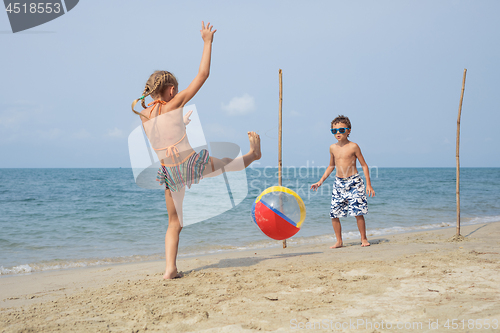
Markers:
point(341, 119)
point(155, 86)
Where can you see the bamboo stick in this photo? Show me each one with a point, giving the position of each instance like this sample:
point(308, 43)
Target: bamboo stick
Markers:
point(280, 163)
point(458, 153)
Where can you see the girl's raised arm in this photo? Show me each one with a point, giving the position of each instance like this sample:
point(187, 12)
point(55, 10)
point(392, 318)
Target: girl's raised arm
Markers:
point(184, 96)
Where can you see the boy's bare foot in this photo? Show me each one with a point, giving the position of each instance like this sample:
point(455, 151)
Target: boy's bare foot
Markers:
point(337, 245)
point(364, 243)
point(254, 139)
point(172, 275)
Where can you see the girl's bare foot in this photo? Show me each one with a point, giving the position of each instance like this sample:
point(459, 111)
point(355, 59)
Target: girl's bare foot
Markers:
point(254, 139)
point(337, 245)
point(172, 275)
point(365, 243)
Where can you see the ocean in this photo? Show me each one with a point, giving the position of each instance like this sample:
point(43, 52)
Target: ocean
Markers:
point(65, 218)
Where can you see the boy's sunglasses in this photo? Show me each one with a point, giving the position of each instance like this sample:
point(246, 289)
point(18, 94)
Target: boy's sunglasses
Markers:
point(340, 130)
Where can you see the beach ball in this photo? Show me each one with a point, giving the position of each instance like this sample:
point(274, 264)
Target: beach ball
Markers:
point(279, 212)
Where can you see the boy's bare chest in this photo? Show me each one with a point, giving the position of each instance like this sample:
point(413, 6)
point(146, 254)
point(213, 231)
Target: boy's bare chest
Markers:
point(344, 154)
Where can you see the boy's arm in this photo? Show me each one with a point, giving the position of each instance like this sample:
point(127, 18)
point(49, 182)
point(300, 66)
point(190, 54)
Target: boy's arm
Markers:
point(366, 170)
point(327, 173)
point(185, 96)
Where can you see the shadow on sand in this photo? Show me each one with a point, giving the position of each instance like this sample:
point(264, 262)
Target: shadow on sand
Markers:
point(248, 261)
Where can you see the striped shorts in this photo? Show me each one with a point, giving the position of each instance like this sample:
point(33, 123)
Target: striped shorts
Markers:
point(185, 174)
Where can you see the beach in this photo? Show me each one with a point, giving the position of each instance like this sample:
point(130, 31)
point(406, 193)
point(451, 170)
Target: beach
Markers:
point(415, 282)
point(354, 108)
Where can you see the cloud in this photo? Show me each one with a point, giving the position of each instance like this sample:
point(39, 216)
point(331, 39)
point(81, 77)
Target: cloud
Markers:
point(20, 114)
point(82, 134)
point(9, 119)
point(116, 133)
point(49, 134)
point(239, 105)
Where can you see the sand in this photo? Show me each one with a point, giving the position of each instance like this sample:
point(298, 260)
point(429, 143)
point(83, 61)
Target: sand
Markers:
point(416, 282)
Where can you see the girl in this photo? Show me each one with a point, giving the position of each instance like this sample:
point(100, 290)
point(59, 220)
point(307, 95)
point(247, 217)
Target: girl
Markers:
point(181, 165)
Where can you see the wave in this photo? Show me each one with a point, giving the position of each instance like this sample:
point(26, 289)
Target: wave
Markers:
point(255, 245)
point(68, 264)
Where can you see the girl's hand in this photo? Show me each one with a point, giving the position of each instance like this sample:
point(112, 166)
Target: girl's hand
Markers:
point(206, 32)
point(370, 191)
point(315, 186)
point(186, 117)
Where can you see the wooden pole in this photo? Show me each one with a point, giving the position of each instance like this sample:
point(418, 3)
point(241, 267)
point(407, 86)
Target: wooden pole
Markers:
point(458, 155)
point(280, 163)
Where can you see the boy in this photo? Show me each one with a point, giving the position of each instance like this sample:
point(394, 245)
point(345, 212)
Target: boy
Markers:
point(348, 195)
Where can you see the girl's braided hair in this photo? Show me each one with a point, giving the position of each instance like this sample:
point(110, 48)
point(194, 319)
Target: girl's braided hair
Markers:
point(155, 86)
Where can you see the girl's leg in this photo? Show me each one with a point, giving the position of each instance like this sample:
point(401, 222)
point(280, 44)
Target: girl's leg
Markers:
point(362, 230)
point(174, 209)
point(238, 163)
point(338, 233)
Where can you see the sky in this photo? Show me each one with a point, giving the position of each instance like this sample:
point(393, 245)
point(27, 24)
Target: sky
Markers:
point(394, 68)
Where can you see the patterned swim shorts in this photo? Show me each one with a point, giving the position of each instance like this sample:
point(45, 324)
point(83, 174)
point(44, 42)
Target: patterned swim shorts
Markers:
point(348, 196)
point(187, 173)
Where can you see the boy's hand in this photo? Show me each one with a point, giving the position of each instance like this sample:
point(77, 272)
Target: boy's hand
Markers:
point(370, 191)
point(186, 117)
point(315, 186)
point(206, 32)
